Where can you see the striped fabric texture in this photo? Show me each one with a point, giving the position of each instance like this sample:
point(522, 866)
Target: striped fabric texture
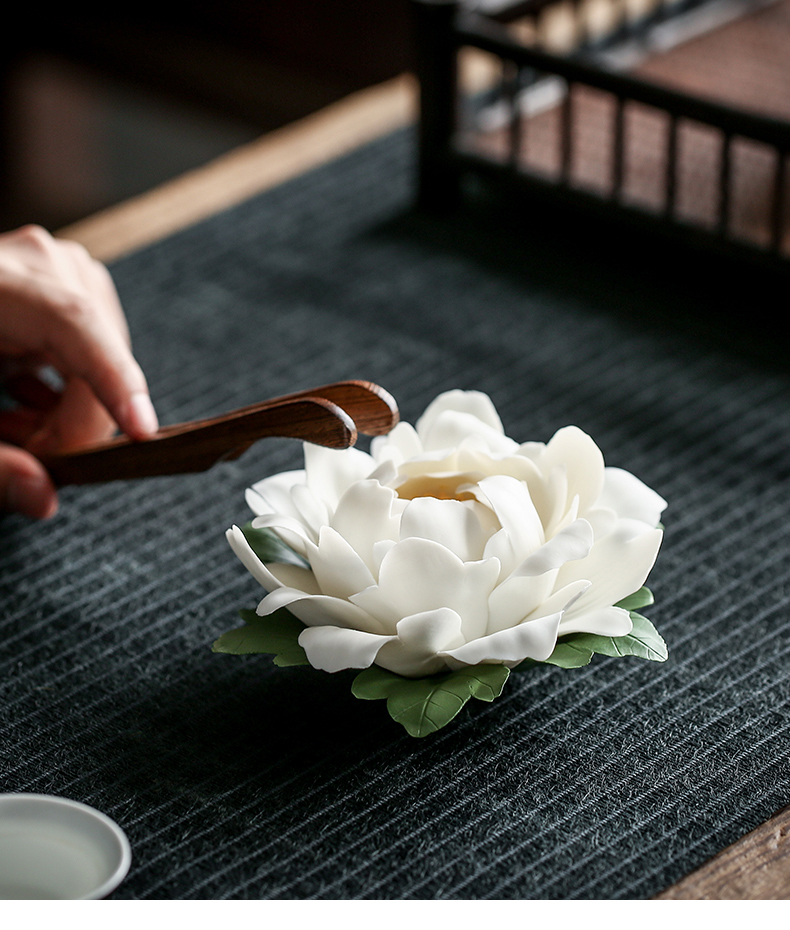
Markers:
point(237, 779)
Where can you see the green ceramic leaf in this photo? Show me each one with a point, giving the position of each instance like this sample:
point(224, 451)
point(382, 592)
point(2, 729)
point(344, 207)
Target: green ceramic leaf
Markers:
point(577, 649)
point(636, 601)
point(277, 635)
point(375, 683)
point(570, 654)
point(425, 705)
point(643, 641)
point(268, 546)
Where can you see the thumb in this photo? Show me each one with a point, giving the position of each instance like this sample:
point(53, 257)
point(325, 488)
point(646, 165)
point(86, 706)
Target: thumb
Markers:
point(25, 486)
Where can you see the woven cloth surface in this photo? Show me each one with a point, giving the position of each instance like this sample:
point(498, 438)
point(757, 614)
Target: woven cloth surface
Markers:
point(234, 778)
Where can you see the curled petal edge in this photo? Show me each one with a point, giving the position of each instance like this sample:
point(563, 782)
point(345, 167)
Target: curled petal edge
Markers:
point(249, 560)
point(570, 544)
point(534, 639)
point(332, 649)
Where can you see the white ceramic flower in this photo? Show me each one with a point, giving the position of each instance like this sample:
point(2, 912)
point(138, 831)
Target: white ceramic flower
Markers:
point(451, 545)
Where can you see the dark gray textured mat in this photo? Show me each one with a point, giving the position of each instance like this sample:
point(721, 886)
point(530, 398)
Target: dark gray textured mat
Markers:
point(236, 779)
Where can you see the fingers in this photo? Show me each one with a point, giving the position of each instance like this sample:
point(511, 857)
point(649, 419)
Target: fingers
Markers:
point(25, 486)
point(28, 389)
point(58, 306)
point(57, 302)
point(78, 419)
point(20, 426)
point(96, 279)
point(81, 345)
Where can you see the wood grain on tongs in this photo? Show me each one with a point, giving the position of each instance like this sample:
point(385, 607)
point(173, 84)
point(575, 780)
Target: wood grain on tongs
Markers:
point(329, 416)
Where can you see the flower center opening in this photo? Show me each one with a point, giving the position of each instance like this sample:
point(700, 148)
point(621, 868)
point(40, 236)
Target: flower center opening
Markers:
point(453, 487)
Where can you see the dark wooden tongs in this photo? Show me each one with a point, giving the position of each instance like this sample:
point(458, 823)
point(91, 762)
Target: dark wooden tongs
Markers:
point(327, 416)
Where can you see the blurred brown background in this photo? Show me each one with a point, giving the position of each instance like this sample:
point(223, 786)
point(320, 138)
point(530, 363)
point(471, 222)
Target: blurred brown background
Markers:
point(97, 108)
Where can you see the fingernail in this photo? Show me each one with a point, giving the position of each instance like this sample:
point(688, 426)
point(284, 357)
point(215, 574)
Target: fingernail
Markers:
point(32, 496)
point(142, 416)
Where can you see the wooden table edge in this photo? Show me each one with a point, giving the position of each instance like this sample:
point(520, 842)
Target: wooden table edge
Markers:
point(756, 867)
point(248, 170)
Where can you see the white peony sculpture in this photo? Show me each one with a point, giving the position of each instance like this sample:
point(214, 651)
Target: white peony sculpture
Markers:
point(446, 557)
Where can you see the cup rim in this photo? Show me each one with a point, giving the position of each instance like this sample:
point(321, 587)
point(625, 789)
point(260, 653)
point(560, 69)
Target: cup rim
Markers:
point(41, 802)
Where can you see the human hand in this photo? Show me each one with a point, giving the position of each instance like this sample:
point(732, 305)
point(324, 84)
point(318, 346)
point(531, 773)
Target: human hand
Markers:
point(59, 308)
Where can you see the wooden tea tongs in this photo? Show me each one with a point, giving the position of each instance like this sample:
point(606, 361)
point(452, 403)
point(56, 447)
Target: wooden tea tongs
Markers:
point(327, 416)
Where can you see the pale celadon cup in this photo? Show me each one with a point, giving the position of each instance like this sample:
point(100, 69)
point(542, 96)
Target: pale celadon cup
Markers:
point(53, 848)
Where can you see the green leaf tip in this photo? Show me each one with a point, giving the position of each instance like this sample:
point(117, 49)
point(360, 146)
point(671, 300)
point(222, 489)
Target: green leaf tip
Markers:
point(268, 546)
point(577, 649)
point(636, 601)
point(568, 653)
point(277, 635)
point(643, 641)
point(425, 705)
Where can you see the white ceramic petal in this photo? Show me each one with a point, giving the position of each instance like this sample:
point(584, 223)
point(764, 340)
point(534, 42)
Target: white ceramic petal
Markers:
point(249, 560)
point(549, 493)
point(629, 497)
point(294, 576)
point(312, 511)
point(605, 621)
point(256, 503)
point(292, 532)
point(569, 545)
point(617, 565)
point(488, 441)
point(570, 516)
point(332, 648)
point(527, 598)
point(474, 403)
point(533, 451)
point(500, 548)
point(516, 466)
point(380, 549)
point(365, 516)
point(420, 638)
point(489, 524)
point(453, 524)
point(560, 600)
point(399, 445)
point(441, 461)
point(331, 472)
point(385, 473)
point(630, 529)
point(533, 639)
point(338, 569)
point(512, 504)
point(451, 428)
point(277, 598)
point(395, 657)
point(320, 610)
point(515, 599)
point(419, 575)
point(575, 451)
point(602, 520)
point(273, 495)
point(431, 632)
